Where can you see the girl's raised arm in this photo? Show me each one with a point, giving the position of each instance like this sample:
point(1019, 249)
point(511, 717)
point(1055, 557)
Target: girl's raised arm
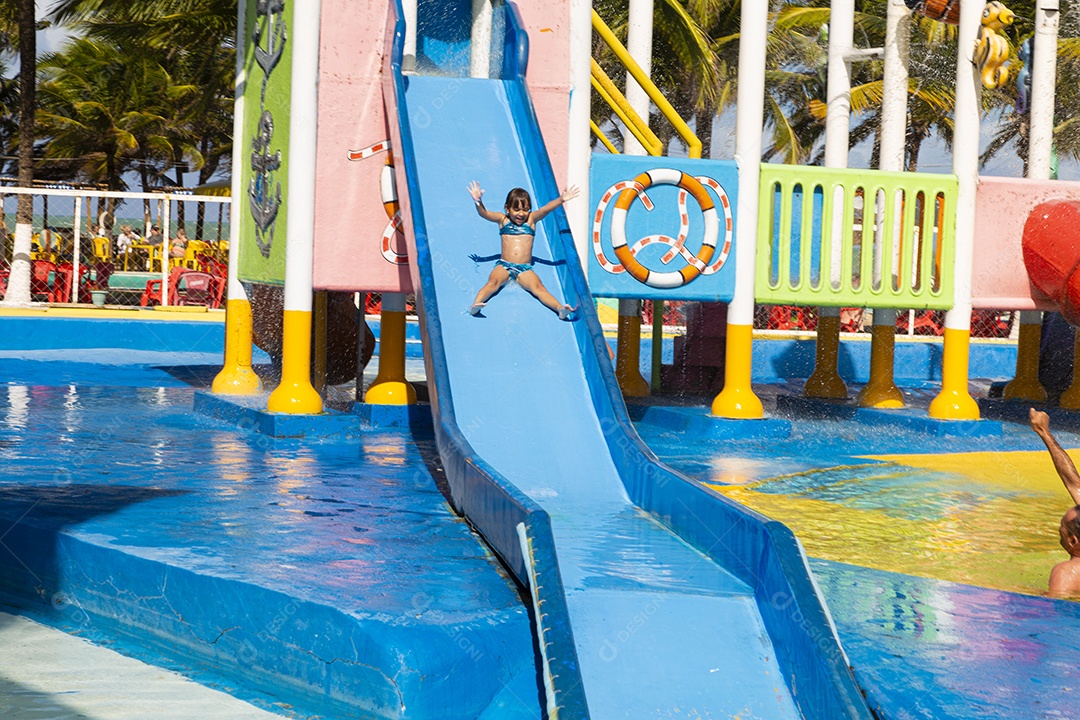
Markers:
point(568, 194)
point(477, 195)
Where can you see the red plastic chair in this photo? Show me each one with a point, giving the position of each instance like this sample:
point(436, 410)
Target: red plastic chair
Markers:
point(152, 294)
point(196, 288)
point(39, 279)
point(62, 282)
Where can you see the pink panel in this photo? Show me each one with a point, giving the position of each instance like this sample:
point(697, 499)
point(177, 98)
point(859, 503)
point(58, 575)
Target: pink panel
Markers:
point(349, 214)
point(548, 25)
point(999, 278)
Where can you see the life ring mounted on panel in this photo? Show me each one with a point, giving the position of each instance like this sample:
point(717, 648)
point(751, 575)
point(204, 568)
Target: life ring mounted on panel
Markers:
point(392, 236)
point(706, 262)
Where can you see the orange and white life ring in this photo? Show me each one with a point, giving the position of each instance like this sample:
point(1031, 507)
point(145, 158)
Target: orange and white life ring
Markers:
point(392, 236)
point(706, 262)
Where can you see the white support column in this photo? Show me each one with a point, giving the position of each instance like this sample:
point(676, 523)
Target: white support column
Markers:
point(639, 37)
point(237, 377)
point(1043, 80)
point(895, 86)
point(76, 223)
point(1026, 383)
point(408, 51)
point(480, 45)
point(737, 400)
point(639, 43)
point(163, 217)
point(579, 140)
point(825, 381)
point(881, 390)
point(295, 394)
point(955, 401)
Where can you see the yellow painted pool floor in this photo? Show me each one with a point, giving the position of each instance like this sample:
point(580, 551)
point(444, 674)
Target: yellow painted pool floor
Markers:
point(982, 518)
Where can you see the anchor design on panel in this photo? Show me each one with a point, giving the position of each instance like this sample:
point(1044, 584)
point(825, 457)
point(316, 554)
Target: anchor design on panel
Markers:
point(264, 205)
point(275, 44)
point(264, 195)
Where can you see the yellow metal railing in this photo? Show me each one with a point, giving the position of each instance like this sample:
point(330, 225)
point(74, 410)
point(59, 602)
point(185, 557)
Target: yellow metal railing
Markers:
point(619, 104)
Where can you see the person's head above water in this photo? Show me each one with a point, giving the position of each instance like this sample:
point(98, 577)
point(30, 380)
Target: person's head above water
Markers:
point(1069, 531)
point(518, 205)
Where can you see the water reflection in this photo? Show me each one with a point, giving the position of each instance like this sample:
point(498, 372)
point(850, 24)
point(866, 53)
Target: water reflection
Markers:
point(891, 516)
point(18, 407)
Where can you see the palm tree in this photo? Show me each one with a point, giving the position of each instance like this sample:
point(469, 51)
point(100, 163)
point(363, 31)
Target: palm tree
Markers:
point(108, 108)
point(194, 40)
point(18, 288)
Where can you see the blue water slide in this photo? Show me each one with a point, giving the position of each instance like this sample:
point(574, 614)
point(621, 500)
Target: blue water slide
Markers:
point(653, 596)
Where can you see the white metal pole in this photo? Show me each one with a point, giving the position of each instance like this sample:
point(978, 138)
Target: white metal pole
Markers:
point(234, 289)
point(881, 390)
point(1043, 80)
point(303, 121)
point(738, 400)
point(295, 394)
point(579, 141)
point(639, 37)
point(825, 381)
point(164, 217)
point(480, 45)
point(1025, 385)
point(895, 86)
point(955, 401)
point(237, 376)
point(408, 52)
point(838, 88)
point(76, 249)
point(966, 160)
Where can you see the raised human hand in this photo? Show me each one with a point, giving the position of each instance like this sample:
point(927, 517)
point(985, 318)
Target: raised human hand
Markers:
point(569, 193)
point(1040, 421)
point(476, 191)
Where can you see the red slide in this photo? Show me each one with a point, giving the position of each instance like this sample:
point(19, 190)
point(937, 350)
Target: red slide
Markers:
point(1052, 251)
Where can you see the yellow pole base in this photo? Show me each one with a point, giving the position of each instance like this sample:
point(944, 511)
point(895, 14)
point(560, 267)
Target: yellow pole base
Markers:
point(825, 381)
point(954, 402)
point(1070, 399)
point(881, 391)
point(295, 395)
point(1026, 386)
point(237, 376)
point(391, 392)
point(884, 395)
point(1026, 389)
point(628, 358)
point(391, 387)
point(236, 380)
point(737, 400)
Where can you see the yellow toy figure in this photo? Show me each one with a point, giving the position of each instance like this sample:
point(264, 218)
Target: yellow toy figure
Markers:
point(991, 49)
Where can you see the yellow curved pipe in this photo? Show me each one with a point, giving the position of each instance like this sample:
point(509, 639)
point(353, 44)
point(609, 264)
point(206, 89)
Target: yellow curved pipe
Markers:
point(602, 138)
point(693, 144)
point(618, 102)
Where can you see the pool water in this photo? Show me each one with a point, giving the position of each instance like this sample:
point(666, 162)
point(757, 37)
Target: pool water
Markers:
point(983, 511)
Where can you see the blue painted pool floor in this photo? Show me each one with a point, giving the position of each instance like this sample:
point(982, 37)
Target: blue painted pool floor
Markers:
point(116, 504)
point(318, 577)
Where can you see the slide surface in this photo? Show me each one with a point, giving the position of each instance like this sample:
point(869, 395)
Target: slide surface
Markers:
point(661, 630)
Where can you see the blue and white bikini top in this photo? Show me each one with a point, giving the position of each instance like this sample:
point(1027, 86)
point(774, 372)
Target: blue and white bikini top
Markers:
point(512, 228)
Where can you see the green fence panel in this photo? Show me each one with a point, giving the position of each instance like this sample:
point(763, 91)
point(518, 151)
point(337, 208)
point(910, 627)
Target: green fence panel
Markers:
point(855, 238)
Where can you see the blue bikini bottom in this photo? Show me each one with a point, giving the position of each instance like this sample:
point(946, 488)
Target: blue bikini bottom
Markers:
point(514, 269)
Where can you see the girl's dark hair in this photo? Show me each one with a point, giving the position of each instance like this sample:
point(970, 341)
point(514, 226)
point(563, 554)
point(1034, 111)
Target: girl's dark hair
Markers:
point(518, 198)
